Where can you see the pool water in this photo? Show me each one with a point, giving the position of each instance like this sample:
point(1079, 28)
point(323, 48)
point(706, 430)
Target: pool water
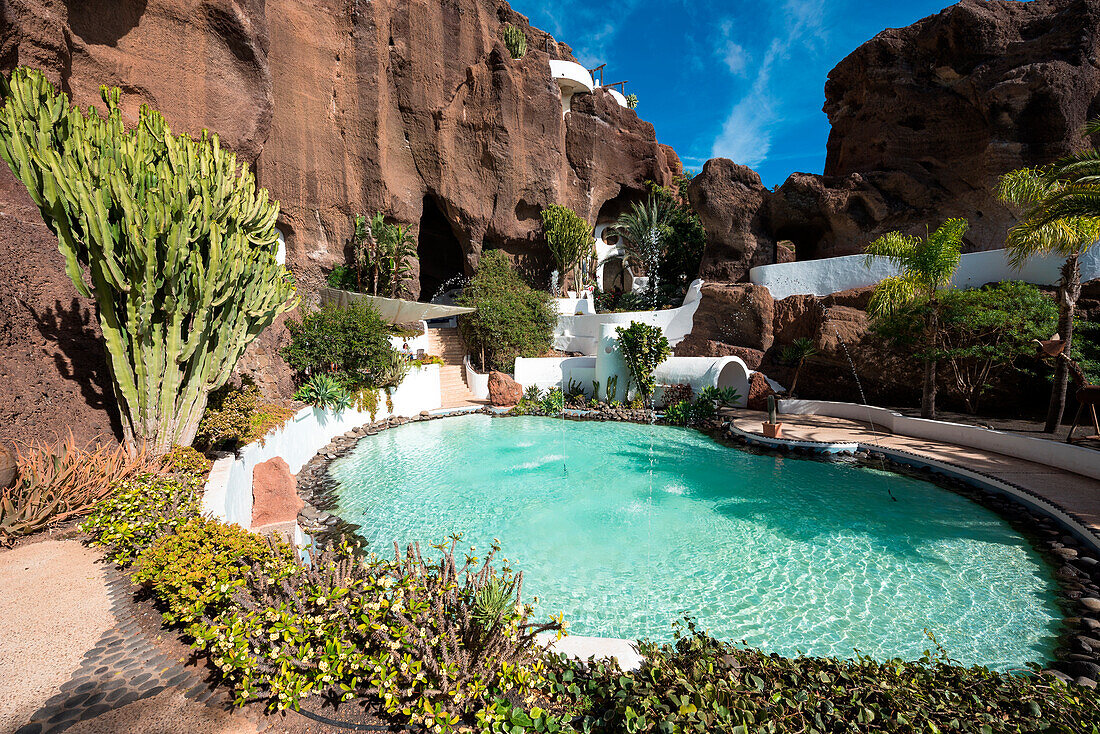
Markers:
point(626, 528)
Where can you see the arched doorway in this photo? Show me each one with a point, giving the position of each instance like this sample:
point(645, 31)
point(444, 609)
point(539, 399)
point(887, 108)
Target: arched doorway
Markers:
point(440, 254)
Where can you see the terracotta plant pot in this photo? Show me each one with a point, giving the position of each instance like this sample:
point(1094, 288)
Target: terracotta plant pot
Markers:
point(773, 430)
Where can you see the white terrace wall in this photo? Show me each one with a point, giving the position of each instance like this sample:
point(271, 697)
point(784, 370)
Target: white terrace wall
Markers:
point(228, 492)
point(834, 274)
point(1065, 456)
point(581, 333)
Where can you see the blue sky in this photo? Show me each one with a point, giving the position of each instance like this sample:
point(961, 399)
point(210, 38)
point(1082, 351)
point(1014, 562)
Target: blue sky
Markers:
point(741, 80)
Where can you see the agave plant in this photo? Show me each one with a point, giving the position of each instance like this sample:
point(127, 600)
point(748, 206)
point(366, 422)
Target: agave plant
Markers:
point(325, 392)
point(494, 603)
point(727, 397)
point(60, 482)
point(393, 370)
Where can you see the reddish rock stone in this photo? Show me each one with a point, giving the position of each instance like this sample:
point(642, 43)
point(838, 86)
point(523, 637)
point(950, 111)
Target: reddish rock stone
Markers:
point(759, 390)
point(9, 469)
point(275, 497)
point(503, 390)
point(729, 200)
point(740, 315)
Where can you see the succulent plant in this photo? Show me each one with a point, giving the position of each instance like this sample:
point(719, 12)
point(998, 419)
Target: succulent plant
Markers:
point(632, 101)
point(178, 243)
point(324, 391)
point(515, 41)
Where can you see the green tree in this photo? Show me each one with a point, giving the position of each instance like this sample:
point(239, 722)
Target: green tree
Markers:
point(684, 244)
point(178, 243)
point(512, 319)
point(569, 238)
point(646, 229)
point(925, 267)
point(983, 333)
point(1059, 210)
point(643, 347)
point(383, 255)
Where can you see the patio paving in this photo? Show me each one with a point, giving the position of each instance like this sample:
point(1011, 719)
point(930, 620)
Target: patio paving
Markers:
point(1076, 494)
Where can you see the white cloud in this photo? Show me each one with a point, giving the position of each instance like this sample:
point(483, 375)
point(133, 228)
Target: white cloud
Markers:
point(746, 135)
point(732, 53)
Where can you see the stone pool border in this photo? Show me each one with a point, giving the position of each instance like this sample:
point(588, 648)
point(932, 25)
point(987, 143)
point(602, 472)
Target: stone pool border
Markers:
point(1076, 658)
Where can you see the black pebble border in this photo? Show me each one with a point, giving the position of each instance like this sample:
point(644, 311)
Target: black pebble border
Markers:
point(124, 666)
point(1076, 658)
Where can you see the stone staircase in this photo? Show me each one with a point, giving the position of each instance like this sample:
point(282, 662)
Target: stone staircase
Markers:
point(446, 343)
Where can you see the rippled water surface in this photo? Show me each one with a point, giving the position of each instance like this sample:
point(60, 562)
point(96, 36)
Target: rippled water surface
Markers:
point(626, 528)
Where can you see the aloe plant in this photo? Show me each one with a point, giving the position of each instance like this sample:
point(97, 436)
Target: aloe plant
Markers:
point(324, 392)
point(178, 243)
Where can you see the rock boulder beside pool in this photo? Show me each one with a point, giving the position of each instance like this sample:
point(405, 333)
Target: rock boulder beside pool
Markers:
point(503, 390)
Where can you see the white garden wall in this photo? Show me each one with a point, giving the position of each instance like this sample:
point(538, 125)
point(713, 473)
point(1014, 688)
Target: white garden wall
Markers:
point(581, 333)
point(415, 343)
point(834, 274)
point(228, 492)
point(548, 372)
point(1058, 454)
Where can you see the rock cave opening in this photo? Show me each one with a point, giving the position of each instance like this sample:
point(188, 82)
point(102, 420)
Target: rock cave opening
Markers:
point(440, 253)
point(807, 238)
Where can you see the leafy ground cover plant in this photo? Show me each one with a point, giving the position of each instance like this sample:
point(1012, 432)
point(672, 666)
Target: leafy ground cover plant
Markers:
point(691, 412)
point(141, 510)
point(236, 416)
point(700, 684)
point(63, 481)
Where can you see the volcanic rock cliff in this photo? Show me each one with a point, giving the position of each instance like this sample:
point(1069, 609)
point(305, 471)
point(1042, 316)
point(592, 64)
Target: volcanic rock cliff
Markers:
point(925, 119)
point(411, 107)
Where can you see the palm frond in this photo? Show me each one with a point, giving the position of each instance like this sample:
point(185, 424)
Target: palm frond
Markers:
point(893, 246)
point(1024, 188)
point(893, 293)
point(1092, 127)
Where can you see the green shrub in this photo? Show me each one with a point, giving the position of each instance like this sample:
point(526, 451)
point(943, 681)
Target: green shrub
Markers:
point(141, 510)
point(351, 343)
point(690, 413)
point(700, 684)
point(981, 333)
point(236, 416)
point(195, 570)
point(324, 392)
point(511, 320)
point(187, 460)
point(727, 397)
point(435, 643)
point(643, 348)
point(342, 278)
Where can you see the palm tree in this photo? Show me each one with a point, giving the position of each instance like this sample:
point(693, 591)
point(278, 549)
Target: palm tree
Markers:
point(925, 269)
point(400, 252)
point(1060, 214)
point(796, 353)
point(645, 230)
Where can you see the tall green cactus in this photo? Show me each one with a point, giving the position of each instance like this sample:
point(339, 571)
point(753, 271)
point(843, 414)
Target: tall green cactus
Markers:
point(178, 243)
point(515, 41)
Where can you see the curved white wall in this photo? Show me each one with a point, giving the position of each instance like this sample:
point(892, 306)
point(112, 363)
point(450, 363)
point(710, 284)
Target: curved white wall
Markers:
point(548, 372)
point(1065, 456)
point(415, 343)
point(228, 492)
point(834, 274)
point(700, 372)
point(580, 333)
point(476, 381)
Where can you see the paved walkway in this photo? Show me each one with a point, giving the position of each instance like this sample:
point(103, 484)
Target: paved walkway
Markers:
point(77, 655)
point(1077, 495)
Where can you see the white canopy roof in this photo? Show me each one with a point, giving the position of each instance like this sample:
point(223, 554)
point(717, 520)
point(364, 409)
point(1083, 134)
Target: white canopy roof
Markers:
point(394, 310)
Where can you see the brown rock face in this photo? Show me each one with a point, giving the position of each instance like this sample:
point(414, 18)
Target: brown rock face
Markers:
point(503, 390)
point(275, 497)
point(412, 107)
point(925, 119)
point(739, 314)
point(729, 200)
point(9, 469)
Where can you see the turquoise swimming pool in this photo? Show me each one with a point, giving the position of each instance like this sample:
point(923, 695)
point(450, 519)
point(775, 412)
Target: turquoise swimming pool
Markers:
point(627, 528)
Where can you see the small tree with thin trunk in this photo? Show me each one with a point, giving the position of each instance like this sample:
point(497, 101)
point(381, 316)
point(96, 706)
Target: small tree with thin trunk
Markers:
point(925, 268)
point(796, 353)
point(178, 243)
point(1060, 215)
